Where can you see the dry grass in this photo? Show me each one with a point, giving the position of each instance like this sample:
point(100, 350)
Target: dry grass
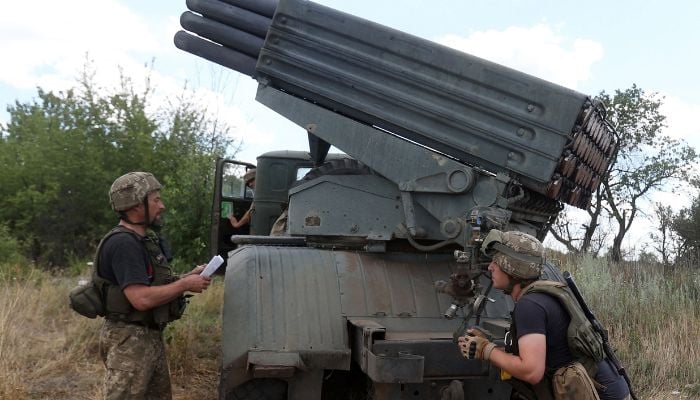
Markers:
point(47, 351)
point(653, 317)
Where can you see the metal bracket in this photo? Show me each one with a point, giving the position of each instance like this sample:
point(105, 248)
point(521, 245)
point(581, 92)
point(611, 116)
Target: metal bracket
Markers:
point(273, 364)
point(403, 367)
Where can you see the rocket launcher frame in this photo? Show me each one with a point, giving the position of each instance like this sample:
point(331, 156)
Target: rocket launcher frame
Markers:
point(553, 140)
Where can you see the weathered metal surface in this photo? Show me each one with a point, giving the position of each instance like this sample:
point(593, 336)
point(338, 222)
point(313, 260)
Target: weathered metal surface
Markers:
point(282, 300)
point(288, 306)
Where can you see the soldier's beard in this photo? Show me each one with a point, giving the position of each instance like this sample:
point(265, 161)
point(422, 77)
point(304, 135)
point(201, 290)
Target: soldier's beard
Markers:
point(156, 223)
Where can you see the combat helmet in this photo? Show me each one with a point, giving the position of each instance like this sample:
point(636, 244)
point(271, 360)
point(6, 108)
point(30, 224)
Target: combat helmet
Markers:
point(518, 254)
point(131, 189)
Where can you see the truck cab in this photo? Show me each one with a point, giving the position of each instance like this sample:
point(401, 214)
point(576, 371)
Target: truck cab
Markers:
point(276, 173)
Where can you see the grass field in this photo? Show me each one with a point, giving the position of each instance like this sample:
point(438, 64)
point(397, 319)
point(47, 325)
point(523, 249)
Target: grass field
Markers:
point(49, 352)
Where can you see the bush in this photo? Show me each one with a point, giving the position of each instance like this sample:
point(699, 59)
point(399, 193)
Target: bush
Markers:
point(9, 248)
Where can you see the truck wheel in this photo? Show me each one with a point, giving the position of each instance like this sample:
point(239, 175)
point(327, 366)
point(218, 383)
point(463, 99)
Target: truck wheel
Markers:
point(343, 166)
point(259, 389)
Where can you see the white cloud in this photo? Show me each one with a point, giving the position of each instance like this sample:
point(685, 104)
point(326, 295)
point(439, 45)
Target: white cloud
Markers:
point(681, 118)
point(50, 48)
point(538, 50)
point(47, 41)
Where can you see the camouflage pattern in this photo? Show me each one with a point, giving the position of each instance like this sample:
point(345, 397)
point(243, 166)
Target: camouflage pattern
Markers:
point(518, 243)
point(131, 189)
point(249, 176)
point(134, 357)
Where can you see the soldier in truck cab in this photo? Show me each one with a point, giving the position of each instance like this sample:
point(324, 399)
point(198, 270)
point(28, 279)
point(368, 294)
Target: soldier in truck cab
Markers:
point(249, 181)
point(538, 352)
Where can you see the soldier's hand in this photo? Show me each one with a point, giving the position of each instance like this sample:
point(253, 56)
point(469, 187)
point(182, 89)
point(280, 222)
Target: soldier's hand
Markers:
point(195, 283)
point(479, 331)
point(197, 270)
point(475, 347)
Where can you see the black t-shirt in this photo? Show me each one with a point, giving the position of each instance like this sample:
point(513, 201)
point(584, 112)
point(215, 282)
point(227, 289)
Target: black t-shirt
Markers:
point(124, 261)
point(542, 313)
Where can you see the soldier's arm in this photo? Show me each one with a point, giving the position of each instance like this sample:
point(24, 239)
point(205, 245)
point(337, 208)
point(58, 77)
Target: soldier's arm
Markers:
point(144, 297)
point(237, 223)
point(529, 365)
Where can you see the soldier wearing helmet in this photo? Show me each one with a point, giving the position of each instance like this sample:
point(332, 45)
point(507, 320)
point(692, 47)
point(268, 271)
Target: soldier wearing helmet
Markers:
point(537, 341)
point(139, 292)
point(249, 181)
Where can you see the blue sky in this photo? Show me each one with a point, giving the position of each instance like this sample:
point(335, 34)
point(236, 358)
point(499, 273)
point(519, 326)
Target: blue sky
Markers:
point(587, 46)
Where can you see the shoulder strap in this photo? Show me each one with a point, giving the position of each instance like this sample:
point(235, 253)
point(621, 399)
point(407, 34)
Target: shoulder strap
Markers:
point(117, 229)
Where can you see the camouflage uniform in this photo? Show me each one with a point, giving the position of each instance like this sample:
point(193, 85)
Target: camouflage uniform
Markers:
point(135, 359)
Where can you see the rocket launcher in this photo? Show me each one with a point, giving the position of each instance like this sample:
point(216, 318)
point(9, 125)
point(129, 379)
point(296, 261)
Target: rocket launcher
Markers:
point(552, 140)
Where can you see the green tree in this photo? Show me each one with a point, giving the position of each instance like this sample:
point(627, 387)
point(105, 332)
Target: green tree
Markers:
point(664, 239)
point(189, 143)
point(686, 225)
point(647, 161)
point(60, 152)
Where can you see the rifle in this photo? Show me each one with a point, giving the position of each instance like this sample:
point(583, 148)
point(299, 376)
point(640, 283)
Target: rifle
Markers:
point(609, 352)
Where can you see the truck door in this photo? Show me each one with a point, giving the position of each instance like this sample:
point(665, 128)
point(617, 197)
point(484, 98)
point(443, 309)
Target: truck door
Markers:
point(231, 197)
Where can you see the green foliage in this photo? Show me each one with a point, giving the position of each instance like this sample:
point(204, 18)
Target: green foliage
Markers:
point(686, 225)
point(647, 159)
point(9, 248)
point(60, 152)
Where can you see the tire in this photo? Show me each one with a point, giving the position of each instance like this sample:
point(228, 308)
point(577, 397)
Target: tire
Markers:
point(259, 389)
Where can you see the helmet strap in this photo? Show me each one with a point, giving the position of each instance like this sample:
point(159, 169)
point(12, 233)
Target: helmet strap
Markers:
point(511, 284)
point(145, 222)
point(516, 281)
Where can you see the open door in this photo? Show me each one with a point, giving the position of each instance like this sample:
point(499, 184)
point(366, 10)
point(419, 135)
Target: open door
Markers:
point(231, 196)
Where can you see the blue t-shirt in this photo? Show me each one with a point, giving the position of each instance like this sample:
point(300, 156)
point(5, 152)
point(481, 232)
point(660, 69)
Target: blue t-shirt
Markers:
point(542, 313)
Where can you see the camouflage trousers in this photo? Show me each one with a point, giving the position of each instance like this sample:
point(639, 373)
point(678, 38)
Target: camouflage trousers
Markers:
point(134, 357)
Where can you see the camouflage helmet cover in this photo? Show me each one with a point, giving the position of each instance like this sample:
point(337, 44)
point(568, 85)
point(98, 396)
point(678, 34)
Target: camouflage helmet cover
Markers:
point(131, 189)
point(518, 254)
point(249, 176)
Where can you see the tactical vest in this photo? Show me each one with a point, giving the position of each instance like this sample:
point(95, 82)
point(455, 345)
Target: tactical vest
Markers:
point(585, 344)
point(118, 307)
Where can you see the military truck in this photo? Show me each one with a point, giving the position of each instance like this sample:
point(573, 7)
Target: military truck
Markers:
point(379, 266)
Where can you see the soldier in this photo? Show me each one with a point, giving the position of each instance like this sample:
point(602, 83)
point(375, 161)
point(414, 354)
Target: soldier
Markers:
point(540, 322)
point(249, 181)
point(140, 293)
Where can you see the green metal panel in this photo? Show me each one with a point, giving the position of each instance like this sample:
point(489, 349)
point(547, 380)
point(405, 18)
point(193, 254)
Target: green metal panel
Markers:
point(297, 301)
point(464, 106)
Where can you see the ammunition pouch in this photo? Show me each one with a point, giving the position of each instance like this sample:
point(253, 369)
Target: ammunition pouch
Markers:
point(86, 300)
point(572, 382)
